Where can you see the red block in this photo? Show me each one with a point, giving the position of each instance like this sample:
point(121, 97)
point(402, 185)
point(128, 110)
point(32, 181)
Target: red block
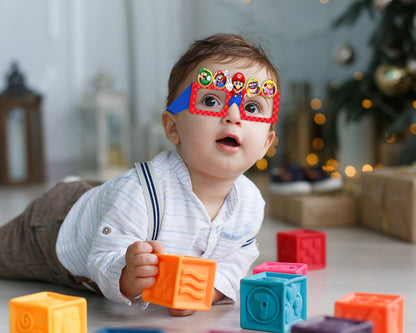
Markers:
point(385, 311)
point(302, 246)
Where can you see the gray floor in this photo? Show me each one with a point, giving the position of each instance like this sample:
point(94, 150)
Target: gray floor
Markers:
point(358, 260)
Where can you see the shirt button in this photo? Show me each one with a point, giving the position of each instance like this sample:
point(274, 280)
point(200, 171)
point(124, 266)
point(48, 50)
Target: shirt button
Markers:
point(106, 230)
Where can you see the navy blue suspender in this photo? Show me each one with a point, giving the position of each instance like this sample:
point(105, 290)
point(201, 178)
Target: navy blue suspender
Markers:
point(153, 198)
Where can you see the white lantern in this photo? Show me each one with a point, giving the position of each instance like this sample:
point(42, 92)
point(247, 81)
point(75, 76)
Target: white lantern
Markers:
point(105, 130)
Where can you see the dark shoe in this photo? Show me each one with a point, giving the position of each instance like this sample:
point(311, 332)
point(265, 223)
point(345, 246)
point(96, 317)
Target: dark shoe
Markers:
point(291, 180)
point(321, 180)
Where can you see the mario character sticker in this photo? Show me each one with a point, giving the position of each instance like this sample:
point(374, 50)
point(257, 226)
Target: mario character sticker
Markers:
point(204, 77)
point(220, 79)
point(253, 87)
point(269, 89)
point(238, 87)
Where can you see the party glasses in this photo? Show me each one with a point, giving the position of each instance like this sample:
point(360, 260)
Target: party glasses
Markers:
point(212, 97)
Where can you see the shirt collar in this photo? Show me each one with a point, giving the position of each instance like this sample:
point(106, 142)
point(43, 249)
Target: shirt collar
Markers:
point(231, 200)
point(178, 165)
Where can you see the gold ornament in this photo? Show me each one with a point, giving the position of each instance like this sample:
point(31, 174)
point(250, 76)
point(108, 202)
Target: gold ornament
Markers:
point(392, 80)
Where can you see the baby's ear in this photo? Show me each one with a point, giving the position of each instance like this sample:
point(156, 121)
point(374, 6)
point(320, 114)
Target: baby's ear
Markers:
point(269, 140)
point(169, 125)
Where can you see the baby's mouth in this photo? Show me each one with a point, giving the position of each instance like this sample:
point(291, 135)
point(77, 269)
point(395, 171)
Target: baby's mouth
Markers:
point(229, 141)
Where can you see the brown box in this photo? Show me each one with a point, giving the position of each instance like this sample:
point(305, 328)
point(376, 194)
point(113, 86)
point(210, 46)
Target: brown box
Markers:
point(389, 153)
point(277, 206)
point(315, 210)
point(388, 202)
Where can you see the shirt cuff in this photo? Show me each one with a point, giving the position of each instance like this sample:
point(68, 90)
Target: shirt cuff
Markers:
point(224, 300)
point(223, 286)
point(109, 282)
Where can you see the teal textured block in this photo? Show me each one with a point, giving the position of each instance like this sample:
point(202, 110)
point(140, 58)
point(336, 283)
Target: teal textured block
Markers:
point(272, 302)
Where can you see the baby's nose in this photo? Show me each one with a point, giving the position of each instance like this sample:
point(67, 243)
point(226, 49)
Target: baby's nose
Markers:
point(233, 114)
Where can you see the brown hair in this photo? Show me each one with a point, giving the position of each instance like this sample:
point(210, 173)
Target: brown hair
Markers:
point(225, 48)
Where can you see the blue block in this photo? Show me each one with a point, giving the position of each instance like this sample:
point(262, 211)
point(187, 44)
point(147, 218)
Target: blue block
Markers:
point(272, 301)
point(130, 330)
point(326, 324)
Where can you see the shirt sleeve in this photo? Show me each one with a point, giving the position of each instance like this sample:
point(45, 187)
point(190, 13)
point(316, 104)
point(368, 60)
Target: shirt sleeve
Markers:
point(233, 267)
point(235, 263)
point(123, 221)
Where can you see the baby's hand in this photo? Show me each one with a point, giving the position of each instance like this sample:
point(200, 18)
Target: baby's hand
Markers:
point(180, 313)
point(141, 267)
point(229, 84)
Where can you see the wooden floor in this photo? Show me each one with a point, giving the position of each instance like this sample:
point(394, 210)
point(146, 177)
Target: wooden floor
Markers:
point(358, 260)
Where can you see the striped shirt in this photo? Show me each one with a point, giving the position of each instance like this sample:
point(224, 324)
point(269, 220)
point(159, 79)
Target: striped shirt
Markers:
point(95, 234)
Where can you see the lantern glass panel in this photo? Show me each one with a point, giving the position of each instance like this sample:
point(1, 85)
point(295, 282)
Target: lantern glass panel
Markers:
point(16, 145)
point(89, 140)
point(115, 152)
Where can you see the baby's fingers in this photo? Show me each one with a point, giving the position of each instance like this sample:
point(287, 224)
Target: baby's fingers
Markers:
point(141, 283)
point(138, 248)
point(145, 271)
point(157, 247)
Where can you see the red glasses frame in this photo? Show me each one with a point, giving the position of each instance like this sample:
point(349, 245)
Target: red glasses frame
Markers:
point(194, 92)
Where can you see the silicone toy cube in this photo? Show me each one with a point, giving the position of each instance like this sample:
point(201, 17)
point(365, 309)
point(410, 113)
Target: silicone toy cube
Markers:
point(48, 312)
point(216, 331)
point(130, 330)
point(326, 324)
point(282, 267)
point(385, 311)
point(302, 246)
point(183, 282)
point(272, 301)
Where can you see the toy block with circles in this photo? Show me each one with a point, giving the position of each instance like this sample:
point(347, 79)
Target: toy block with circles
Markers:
point(327, 324)
point(272, 301)
point(48, 312)
point(302, 246)
point(384, 311)
point(183, 282)
point(282, 267)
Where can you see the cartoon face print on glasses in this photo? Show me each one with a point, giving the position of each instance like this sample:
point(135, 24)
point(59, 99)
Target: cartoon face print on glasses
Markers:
point(212, 95)
point(238, 89)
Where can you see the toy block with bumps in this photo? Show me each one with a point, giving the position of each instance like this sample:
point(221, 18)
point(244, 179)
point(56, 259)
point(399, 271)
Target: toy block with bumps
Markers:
point(48, 312)
point(302, 246)
point(282, 267)
point(183, 282)
point(384, 311)
point(272, 301)
point(327, 324)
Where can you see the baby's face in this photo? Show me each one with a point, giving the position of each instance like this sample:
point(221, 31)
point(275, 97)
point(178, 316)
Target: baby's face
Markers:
point(222, 147)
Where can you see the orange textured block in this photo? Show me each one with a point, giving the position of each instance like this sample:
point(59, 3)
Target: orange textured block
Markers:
point(385, 311)
point(183, 282)
point(48, 312)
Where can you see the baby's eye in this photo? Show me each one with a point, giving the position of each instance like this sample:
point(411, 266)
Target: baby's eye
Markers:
point(252, 108)
point(210, 101)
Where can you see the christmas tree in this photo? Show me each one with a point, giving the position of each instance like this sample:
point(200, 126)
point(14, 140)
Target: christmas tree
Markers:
point(387, 89)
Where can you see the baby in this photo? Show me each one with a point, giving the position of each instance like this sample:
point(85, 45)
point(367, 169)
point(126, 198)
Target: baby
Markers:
point(93, 235)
